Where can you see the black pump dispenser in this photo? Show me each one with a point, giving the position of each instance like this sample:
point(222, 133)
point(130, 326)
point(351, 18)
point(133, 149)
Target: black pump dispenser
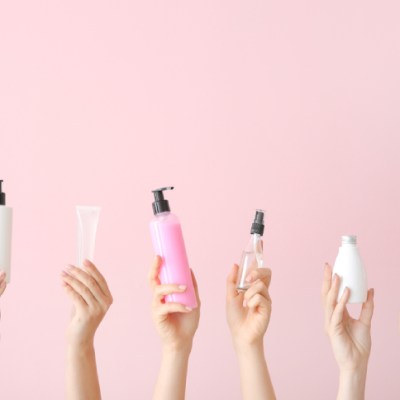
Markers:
point(2, 196)
point(160, 205)
point(258, 223)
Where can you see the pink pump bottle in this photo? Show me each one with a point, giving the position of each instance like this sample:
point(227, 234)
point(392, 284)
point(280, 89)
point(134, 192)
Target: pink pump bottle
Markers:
point(166, 233)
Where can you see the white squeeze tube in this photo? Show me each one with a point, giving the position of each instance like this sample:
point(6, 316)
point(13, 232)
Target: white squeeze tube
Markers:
point(88, 219)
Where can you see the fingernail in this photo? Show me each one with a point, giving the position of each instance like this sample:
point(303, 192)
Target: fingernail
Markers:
point(64, 273)
point(372, 292)
point(2, 274)
point(182, 287)
point(188, 308)
point(249, 278)
point(69, 267)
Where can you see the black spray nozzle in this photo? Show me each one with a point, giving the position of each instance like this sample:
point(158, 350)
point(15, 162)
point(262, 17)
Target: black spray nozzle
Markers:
point(258, 223)
point(160, 205)
point(2, 195)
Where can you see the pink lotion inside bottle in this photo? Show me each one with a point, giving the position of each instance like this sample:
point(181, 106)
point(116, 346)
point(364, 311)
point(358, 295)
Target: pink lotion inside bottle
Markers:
point(168, 243)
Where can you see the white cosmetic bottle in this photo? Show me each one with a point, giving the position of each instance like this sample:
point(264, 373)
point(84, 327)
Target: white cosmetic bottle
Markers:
point(349, 267)
point(5, 235)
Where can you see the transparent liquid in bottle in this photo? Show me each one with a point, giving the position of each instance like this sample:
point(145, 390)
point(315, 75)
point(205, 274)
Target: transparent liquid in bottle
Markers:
point(252, 258)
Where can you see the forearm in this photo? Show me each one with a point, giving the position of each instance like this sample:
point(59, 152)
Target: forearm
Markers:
point(352, 385)
point(82, 380)
point(171, 381)
point(254, 375)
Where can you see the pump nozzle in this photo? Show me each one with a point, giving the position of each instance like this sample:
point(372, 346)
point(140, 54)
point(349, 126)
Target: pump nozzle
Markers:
point(160, 205)
point(258, 223)
point(2, 195)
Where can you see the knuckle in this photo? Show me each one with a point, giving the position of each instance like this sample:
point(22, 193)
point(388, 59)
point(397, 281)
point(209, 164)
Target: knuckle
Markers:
point(262, 285)
point(91, 283)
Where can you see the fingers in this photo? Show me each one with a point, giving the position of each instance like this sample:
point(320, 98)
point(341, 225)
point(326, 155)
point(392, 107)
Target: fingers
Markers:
point(263, 274)
point(231, 280)
point(196, 288)
point(3, 283)
point(331, 297)
point(169, 308)
point(338, 313)
point(327, 282)
point(367, 310)
point(161, 291)
point(80, 288)
point(258, 288)
point(154, 271)
point(89, 281)
point(91, 269)
point(76, 298)
point(258, 301)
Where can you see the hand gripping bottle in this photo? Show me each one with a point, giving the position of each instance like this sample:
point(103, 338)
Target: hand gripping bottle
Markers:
point(166, 233)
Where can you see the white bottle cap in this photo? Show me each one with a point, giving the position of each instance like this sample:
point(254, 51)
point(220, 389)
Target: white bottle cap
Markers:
point(349, 239)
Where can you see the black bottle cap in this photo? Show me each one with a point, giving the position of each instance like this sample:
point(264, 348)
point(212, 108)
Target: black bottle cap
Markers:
point(2, 196)
point(258, 223)
point(160, 205)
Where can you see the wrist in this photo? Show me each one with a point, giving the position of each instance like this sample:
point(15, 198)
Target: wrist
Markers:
point(352, 383)
point(354, 374)
point(177, 349)
point(83, 347)
point(354, 371)
point(243, 346)
point(246, 350)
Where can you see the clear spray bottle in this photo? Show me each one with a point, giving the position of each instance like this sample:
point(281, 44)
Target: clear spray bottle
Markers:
point(252, 256)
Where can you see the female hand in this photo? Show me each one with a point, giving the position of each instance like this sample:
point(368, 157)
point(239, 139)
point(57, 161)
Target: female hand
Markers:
point(91, 297)
point(175, 323)
point(350, 338)
point(3, 283)
point(249, 313)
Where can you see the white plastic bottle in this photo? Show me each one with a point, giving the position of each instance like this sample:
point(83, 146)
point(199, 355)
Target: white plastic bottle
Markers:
point(5, 235)
point(349, 267)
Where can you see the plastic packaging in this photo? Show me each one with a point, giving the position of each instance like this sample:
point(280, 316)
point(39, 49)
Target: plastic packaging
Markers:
point(168, 243)
point(6, 214)
point(88, 220)
point(252, 256)
point(349, 267)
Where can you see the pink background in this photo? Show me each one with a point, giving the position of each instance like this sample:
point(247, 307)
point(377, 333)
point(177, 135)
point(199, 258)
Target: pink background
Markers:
point(289, 106)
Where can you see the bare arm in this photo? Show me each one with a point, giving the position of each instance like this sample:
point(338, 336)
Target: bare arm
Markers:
point(82, 380)
point(350, 338)
point(176, 326)
point(248, 318)
point(91, 298)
